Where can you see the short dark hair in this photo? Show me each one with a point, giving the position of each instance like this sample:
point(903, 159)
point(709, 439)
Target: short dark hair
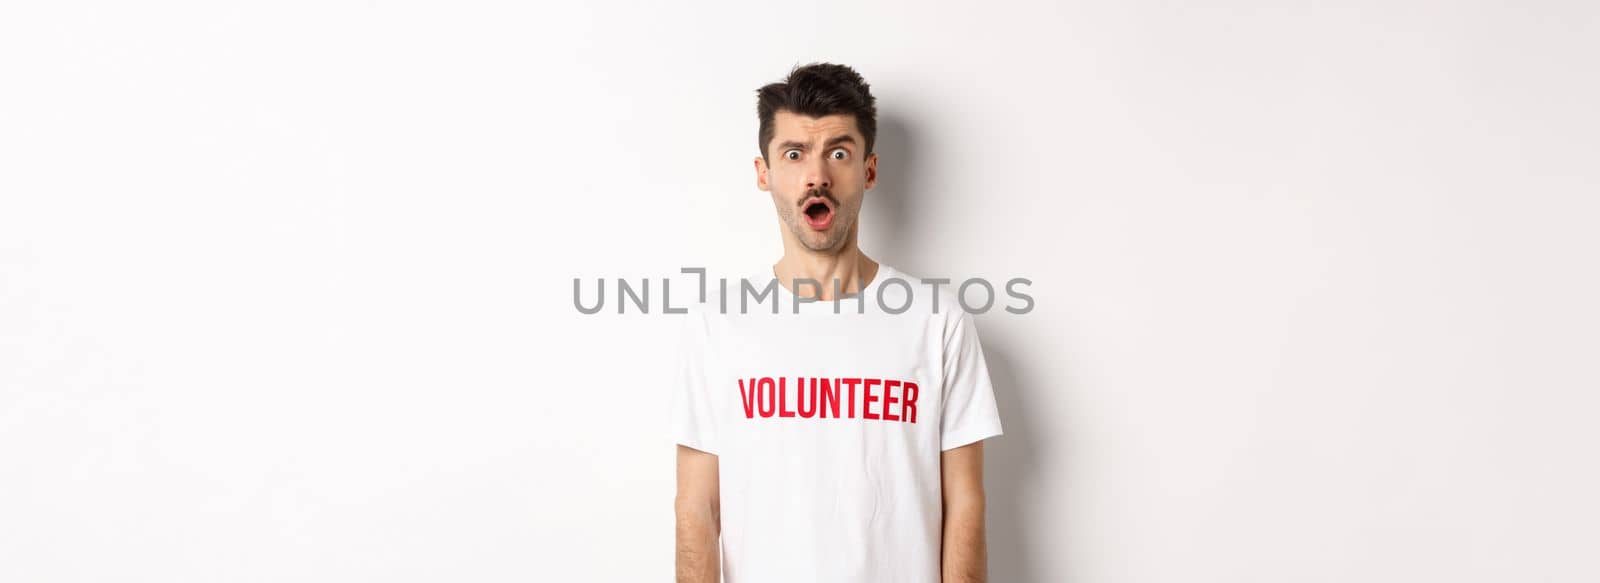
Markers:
point(816, 90)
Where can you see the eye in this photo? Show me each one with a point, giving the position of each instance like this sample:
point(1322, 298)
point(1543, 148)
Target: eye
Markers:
point(839, 154)
point(792, 154)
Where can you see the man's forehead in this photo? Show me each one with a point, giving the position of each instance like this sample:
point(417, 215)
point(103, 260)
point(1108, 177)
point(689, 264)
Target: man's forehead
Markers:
point(794, 126)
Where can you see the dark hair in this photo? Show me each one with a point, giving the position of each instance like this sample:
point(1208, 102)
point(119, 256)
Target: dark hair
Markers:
point(816, 90)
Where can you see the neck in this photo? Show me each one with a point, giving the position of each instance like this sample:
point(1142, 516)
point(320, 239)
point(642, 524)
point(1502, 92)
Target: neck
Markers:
point(852, 268)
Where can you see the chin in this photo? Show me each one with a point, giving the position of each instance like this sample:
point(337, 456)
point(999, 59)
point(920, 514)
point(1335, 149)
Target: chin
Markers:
point(826, 244)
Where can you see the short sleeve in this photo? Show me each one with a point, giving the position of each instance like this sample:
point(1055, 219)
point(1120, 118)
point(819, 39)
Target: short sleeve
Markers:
point(969, 413)
point(691, 415)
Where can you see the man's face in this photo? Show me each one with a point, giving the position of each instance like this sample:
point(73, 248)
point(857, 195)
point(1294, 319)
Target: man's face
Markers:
point(817, 173)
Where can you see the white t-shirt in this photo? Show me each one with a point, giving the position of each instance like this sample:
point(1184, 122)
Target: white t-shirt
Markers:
point(843, 486)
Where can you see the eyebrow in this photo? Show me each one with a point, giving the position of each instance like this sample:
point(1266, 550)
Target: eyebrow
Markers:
point(844, 139)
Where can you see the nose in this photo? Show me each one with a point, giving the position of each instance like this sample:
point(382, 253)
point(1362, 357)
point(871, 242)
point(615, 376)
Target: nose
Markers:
point(817, 176)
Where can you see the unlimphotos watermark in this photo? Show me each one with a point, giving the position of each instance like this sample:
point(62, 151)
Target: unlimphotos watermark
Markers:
point(759, 293)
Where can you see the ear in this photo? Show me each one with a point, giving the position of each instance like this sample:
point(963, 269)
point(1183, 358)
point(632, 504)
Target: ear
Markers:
point(761, 173)
point(872, 170)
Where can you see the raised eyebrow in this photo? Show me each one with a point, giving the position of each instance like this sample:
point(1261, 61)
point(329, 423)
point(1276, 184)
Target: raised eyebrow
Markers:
point(791, 144)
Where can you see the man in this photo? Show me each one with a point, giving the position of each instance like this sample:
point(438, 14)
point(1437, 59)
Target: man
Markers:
point(840, 440)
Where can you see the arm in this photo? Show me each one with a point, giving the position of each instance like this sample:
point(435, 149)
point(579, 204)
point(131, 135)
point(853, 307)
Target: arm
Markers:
point(965, 555)
point(699, 511)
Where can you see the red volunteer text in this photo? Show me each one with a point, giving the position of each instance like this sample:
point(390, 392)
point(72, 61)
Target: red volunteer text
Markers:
point(880, 399)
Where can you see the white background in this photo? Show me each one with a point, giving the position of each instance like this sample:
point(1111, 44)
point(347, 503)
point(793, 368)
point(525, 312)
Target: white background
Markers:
point(286, 290)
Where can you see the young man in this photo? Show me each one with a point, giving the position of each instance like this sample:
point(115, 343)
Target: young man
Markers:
point(831, 430)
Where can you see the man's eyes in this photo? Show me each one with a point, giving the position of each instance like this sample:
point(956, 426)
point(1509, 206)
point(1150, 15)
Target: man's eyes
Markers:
point(836, 154)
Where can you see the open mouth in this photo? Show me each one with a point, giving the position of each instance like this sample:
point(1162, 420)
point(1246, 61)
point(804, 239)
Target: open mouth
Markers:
point(819, 214)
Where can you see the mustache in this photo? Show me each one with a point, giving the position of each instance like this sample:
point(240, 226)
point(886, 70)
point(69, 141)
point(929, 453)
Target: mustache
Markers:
point(820, 193)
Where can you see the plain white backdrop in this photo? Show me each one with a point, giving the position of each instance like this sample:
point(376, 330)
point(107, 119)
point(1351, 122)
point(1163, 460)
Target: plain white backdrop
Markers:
point(286, 288)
